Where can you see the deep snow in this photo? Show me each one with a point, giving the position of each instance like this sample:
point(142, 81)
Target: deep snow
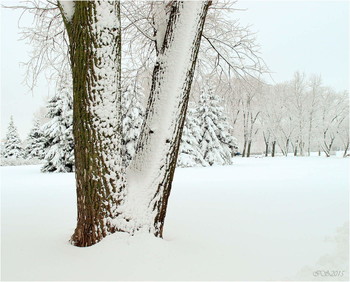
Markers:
point(258, 219)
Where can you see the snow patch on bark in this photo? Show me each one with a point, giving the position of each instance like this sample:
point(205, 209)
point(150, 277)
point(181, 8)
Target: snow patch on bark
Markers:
point(104, 102)
point(68, 7)
point(160, 23)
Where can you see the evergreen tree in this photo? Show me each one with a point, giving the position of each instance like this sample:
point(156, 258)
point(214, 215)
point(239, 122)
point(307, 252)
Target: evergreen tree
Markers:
point(133, 115)
point(58, 132)
point(216, 143)
point(13, 145)
point(35, 143)
point(189, 153)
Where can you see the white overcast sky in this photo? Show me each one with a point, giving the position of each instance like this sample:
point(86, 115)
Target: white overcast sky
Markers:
point(309, 36)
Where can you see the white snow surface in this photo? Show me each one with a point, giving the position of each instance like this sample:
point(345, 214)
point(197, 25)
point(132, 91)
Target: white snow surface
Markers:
point(258, 219)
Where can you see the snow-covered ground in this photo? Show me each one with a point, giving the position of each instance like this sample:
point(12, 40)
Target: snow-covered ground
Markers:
point(259, 219)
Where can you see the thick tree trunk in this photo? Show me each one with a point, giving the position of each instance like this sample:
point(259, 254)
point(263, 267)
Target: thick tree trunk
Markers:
point(151, 173)
point(95, 52)
point(106, 202)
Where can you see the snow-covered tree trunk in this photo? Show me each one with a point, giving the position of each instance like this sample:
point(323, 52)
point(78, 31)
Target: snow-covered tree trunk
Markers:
point(273, 148)
point(106, 201)
point(95, 51)
point(315, 89)
point(266, 137)
point(151, 173)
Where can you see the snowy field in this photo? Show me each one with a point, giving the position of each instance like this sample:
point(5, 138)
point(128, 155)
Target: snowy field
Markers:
point(259, 219)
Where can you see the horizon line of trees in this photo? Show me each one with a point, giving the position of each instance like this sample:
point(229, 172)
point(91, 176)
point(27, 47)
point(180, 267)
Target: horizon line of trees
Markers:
point(296, 117)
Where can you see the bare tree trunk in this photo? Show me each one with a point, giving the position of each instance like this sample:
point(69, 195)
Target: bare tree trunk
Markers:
point(346, 148)
point(296, 149)
point(157, 151)
point(244, 148)
point(266, 141)
point(273, 148)
point(266, 149)
point(249, 146)
point(309, 136)
point(95, 53)
point(285, 148)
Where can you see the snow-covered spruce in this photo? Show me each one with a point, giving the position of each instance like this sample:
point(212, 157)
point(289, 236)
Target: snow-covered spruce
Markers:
point(216, 143)
point(58, 134)
point(12, 145)
point(190, 154)
point(34, 147)
point(133, 115)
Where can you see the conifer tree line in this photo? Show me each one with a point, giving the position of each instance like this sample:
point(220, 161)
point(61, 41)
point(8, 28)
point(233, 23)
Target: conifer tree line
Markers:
point(51, 142)
point(207, 138)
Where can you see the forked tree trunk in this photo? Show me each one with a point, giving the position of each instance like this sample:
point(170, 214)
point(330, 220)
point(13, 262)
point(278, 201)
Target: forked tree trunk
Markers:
point(106, 201)
point(95, 49)
point(156, 154)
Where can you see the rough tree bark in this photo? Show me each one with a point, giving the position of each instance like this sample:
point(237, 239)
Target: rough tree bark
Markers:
point(95, 54)
point(109, 200)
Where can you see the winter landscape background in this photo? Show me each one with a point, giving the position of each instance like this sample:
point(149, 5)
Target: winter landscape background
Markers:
point(261, 188)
